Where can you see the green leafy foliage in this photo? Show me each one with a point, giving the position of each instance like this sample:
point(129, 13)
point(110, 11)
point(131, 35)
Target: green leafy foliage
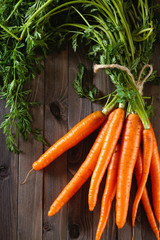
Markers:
point(20, 62)
point(82, 90)
point(121, 32)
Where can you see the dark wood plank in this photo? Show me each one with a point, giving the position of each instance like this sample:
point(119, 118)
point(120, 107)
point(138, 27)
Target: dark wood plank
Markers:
point(8, 187)
point(79, 217)
point(30, 194)
point(55, 175)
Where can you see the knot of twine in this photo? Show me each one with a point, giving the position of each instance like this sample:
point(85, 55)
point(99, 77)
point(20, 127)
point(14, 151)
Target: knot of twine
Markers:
point(139, 83)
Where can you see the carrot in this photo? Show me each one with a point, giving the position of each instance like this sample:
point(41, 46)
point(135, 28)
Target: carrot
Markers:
point(80, 131)
point(130, 143)
point(109, 192)
point(155, 177)
point(145, 198)
point(112, 135)
point(82, 174)
point(147, 155)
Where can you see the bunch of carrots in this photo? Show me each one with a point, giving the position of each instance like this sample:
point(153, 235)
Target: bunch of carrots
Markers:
point(121, 34)
point(123, 146)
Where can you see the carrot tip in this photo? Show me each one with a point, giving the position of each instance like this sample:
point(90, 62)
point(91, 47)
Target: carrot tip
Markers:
point(91, 207)
point(133, 233)
point(52, 211)
point(27, 176)
point(49, 214)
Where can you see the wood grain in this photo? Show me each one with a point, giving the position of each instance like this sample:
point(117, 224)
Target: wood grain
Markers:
point(79, 217)
point(8, 188)
point(30, 194)
point(55, 126)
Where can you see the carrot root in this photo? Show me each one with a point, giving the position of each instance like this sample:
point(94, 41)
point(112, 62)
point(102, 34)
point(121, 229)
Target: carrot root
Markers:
point(130, 143)
point(155, 178)
point(80, 131)
point(115, 124)
point(109, 192)
point(82, 174)
point(147, 155)
point(145, 197)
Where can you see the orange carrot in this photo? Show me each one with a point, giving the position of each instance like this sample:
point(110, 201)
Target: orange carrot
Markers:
point(155, 178)
point(145, 198)
point(73, 137)
point(109, 192)
point(112, 135)
point(130, 143)
point(147, 155)
point(82, 174)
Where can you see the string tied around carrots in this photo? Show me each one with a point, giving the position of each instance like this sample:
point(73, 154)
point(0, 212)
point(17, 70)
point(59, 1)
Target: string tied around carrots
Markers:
point(139, 83)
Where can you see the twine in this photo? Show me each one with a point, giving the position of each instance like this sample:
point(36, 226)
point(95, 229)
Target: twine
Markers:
point(139, 84)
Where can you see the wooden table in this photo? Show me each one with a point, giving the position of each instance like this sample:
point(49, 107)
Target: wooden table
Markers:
point(24, 208)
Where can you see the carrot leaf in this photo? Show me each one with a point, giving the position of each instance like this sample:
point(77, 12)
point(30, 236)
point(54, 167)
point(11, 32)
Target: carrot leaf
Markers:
point(80, 88)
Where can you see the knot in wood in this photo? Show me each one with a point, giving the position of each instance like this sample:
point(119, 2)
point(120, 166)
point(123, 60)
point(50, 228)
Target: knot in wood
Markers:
point(47, 227)
point(74, 231)
point(55, 110)
point(4, 172)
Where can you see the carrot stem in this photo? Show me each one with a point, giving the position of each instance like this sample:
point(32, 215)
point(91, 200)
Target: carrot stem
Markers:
point(32, 17)
point(9, 32)
point(110, 106)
